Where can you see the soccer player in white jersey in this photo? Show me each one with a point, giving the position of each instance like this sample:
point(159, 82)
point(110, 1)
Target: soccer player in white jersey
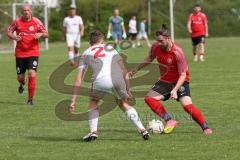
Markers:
point(74, 30)
point(132, 30)
point(108, 75)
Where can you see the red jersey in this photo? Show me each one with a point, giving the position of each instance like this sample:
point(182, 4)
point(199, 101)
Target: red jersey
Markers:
point(171, 63)
point(28, 46)
point(198, 24)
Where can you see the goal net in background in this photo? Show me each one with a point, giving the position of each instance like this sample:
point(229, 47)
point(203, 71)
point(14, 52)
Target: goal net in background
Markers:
point(8, 12)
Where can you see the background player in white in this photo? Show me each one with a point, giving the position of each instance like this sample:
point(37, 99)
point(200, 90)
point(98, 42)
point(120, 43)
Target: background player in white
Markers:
point(74, 30)
point(132, 30)
point(108, 75)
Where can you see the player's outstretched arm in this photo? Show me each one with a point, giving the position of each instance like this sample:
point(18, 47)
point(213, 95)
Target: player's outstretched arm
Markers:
point(76, 86)
point(147, 60)
point(179, 83)
point(126, 78)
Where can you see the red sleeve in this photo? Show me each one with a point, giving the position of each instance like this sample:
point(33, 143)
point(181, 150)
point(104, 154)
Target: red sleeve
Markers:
point(181, 60)
point(189, 18)
point(12, 26)
point(205, 19)
point(41, 27)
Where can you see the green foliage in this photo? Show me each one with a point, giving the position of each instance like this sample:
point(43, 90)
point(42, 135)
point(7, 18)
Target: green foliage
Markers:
point(55, 35)
point(224, 16)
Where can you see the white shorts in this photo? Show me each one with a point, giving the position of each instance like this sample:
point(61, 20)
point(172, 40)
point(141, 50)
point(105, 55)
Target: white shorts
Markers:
point(142, 35)
point(73, 40)
point(101, 87)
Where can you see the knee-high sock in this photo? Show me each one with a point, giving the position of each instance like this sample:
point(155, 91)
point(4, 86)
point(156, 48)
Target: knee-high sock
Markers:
point(196, 115)
point(71, 55)
point(31, 86)
point(157, 108)
point(93, 116)
point(133, 116)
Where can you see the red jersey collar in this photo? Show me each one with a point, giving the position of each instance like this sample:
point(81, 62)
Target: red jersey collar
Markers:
point(194, 13)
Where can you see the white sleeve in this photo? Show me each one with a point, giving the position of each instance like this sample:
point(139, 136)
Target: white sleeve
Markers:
point(65, 22)
point(80, 20)
point(129, 24)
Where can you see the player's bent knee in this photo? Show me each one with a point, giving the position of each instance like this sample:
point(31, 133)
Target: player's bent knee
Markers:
point(186, 100)
point(20, 77)
point(31, 73)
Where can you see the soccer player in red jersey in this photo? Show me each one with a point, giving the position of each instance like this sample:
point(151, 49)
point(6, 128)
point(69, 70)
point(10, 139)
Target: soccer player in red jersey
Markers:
point(28, 30)
point(173, 82)
point(198, 29)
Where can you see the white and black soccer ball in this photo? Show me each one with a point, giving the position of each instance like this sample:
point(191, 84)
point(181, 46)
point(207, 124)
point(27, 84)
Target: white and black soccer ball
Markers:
point(155, 126)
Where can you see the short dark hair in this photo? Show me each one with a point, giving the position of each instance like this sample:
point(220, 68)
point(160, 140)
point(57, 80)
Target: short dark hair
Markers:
point(197, 5)
point(95, 37)
point(163, 31)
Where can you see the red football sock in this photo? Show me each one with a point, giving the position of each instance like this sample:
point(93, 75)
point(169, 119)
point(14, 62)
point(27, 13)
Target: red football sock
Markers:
point(157, 108)
point(201, 54)
point(196, 115)
point(31, 86)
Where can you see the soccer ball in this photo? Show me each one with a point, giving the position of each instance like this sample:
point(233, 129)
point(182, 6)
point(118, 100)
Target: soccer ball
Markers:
point(155, 126)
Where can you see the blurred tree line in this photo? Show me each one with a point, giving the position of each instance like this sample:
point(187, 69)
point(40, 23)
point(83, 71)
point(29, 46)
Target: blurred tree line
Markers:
point(223, 15)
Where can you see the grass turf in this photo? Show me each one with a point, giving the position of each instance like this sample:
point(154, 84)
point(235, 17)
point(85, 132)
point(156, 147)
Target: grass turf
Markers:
point(36, 133)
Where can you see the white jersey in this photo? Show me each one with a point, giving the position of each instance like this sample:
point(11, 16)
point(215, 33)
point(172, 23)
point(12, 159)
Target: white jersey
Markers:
point(132, 26)
point(72, 24)
point(103, 64)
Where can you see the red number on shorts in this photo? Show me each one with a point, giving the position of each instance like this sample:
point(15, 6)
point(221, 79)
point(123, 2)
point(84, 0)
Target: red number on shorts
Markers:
point(98, 53)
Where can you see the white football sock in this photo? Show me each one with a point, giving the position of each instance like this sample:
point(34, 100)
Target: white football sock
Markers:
point(201, 57)
point(195, 58)
point(70, 55)
point(133, 116)
point(93, 115)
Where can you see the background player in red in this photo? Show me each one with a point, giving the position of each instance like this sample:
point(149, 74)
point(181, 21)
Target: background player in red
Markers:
point(198, 29)
point(173, 82)
point(28, 30)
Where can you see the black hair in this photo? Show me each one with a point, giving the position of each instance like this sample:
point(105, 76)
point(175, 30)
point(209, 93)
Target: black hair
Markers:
point(197, 5)
point(163, 31)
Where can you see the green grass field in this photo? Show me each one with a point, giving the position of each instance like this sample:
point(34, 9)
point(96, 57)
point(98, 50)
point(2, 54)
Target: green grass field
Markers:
point(28, 133)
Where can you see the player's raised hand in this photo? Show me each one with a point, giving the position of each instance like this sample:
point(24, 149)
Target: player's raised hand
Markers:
point(174, 94)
